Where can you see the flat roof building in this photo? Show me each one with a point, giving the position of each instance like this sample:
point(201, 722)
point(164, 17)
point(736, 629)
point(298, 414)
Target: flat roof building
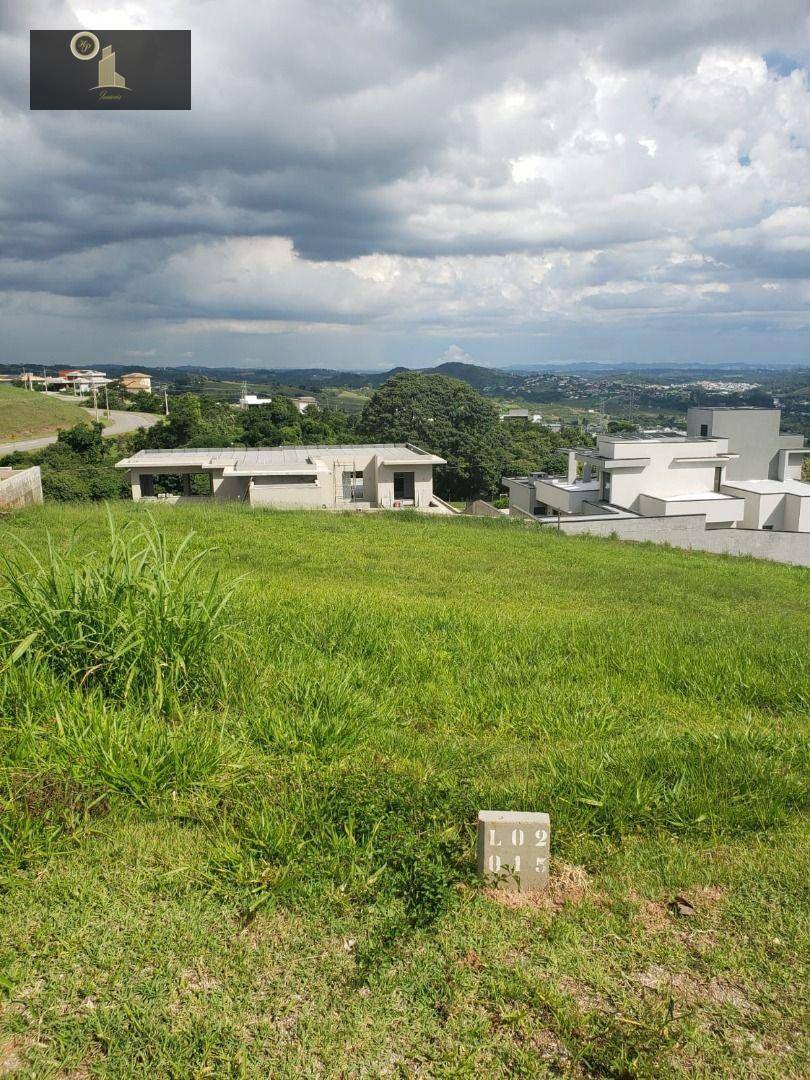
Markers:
point(368, 476)
point(761, 451)
point(732, 466)
point(247, 401)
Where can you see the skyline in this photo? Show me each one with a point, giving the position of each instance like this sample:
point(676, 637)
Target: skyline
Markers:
point(409, 184)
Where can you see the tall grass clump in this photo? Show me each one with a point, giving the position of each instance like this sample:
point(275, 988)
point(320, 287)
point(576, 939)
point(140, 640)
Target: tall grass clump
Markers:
point(134, 620)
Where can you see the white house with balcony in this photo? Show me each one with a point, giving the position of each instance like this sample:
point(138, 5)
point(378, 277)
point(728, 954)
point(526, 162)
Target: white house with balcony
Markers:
point(735, 470)
point(356, 477)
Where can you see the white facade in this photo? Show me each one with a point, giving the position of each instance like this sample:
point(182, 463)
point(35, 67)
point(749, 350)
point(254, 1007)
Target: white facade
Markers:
point(304, 403)
point(375, 476)
point(660, 475)
point(248, 400)
point(84, 380)
point(780, 505)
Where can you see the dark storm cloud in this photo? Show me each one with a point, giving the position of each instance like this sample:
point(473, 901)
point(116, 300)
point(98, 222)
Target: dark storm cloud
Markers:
point(422, 166)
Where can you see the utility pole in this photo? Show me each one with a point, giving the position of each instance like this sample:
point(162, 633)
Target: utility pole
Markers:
point(166, 400)
point(107, 400)
point(95, 399)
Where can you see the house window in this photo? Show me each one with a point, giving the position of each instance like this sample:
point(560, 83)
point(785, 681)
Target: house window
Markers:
point(704, 431)
point(403, 486)
point(605, 496)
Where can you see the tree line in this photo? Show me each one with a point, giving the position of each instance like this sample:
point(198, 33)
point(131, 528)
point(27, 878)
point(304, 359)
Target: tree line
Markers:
point(442, 415)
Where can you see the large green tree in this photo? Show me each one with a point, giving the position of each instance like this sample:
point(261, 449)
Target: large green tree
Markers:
point(447, 417)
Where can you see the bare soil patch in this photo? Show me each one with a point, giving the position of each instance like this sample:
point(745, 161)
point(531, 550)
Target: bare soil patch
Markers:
point(568, 885)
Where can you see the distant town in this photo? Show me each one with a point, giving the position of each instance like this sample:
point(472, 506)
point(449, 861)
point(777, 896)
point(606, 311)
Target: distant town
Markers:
point(588, 397)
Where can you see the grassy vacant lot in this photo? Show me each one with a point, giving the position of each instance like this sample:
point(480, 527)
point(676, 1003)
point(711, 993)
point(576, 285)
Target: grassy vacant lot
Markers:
point(268, 871)
point(25, 414)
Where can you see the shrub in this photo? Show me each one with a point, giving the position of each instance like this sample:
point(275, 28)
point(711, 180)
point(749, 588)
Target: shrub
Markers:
point(133, 620)
point(131, 751)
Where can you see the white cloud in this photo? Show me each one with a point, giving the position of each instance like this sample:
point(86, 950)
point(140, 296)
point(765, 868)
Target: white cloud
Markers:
point(513, 168)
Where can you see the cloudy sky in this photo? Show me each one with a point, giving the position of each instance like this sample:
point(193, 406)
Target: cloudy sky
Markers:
point(363, 183)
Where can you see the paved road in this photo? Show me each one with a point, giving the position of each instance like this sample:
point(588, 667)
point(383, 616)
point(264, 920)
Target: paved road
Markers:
point(120, 423)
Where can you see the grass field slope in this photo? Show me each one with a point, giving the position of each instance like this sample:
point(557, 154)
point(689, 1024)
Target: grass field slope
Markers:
point(25, 414)
point(239, 840)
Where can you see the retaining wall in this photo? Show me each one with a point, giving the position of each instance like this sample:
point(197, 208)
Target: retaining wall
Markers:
point(18, 489)
point(481, 508)
point(689, 531)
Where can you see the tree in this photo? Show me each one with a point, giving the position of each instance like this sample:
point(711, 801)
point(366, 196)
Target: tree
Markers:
point(447, 417)
point(144, 401)
point(83, 439)
point(79, 466)
point(536, 448)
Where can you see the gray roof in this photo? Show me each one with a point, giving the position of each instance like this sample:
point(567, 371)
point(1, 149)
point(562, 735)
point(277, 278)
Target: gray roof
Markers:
point(279, 458)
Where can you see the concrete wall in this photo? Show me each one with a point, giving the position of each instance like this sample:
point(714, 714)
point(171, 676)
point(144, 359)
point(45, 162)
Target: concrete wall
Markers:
point(19, 489)
point(771, 511)
point(308, 494)
point(422, 483)
point(661, 477)
point(370, 483)
point(715, 511)
point(751, 433)
point(522, 497)
point(797, 513)
point(481, 508)
point(566, 500)
point(230, 488)
point(690, 532)
point(791, 466)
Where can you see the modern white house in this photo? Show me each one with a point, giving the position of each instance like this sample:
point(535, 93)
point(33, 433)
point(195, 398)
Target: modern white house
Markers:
point(732, 466)
point(247, 401)
point(304, 403)
point(374, 476)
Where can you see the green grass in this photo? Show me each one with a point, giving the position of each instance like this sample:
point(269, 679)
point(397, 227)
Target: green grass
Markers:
point(274, 876)
point(26, 414)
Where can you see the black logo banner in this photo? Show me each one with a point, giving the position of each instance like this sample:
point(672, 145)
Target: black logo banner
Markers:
point(110, 69)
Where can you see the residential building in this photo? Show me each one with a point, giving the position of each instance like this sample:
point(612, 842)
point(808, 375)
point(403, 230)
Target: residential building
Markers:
point(304, 403)
point(778, 505)
point(376, 476)
point(136, 381)
point(663, 475)
point(522, 414)
point(246, 401)
point(761, 451)
point(83, 380)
